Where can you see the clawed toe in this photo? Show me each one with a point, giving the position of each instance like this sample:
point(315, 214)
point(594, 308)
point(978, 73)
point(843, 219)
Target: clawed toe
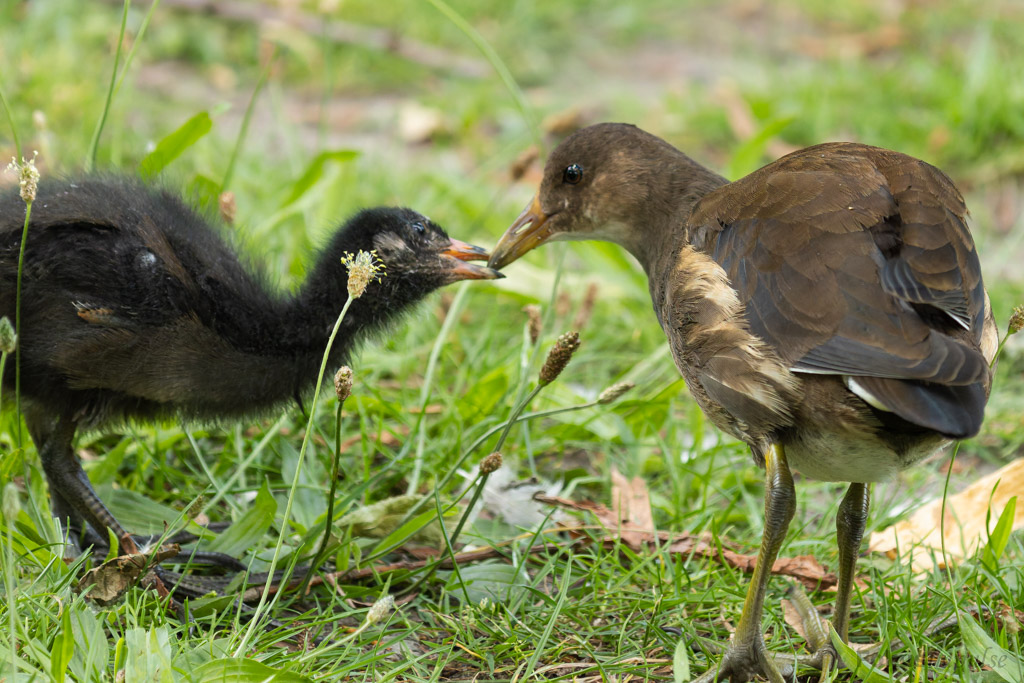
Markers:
point(741, 663)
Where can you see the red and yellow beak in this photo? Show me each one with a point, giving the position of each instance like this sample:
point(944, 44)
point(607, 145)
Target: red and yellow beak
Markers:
point(461, 269)
point(530, 230)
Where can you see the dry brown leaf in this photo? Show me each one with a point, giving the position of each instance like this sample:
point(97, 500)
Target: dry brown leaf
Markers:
point(791, 615)
point(606, 517)
point(632, 506)
point(965, 523)
point(523, 164)
point(563, 122)
point(106, 583)
point(804, 568)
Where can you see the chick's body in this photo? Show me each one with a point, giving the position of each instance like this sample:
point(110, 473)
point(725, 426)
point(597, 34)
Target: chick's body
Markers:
point(134, 307)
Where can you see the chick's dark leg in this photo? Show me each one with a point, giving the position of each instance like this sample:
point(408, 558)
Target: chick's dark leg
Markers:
point(73, 496)
point(747, 655)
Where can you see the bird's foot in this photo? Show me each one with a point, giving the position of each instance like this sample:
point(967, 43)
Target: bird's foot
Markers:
point(816, 631)
point(744, 660)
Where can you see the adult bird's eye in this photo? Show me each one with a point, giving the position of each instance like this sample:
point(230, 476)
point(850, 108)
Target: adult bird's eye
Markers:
point(572, 174)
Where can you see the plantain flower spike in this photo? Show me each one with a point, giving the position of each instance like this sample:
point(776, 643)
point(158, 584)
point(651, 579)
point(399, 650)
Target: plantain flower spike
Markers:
point(363, 268)
point(380, 610)
point(28, 177)
point(612, 393)
point(559, 357)
point(533, 316)
point(492, 463)
point(1016, 320)
point(343, 383)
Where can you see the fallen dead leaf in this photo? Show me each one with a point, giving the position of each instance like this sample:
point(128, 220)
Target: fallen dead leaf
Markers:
point(791, 615)
point(967, 514)
point(631, 504)
point(106, 583)
point(804, 568)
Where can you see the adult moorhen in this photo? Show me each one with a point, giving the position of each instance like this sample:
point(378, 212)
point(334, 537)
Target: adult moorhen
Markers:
point(135, 308)
point(828, 310)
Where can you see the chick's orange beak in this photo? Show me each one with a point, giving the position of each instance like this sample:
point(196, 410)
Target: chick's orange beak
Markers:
point(461, 253)
point(530, 230)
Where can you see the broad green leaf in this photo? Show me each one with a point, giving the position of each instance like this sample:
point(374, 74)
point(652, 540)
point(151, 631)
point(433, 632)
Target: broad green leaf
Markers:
point(201, 607)
point(113, 545)
point(396, 538)
point(148, 656)
point(860, 669)
point(997, 540)
point(104, 469)
point(249, 528)
point(315, 171)
point(988, 652)
point(11, 464)
point(172, 146)
point(382, 518)
point(142, 515)
point(239, 670)
point(90, 660)
point(681, 662)
point(498, 582)
point(483, 394)
point(63, 647)
point(206, 190)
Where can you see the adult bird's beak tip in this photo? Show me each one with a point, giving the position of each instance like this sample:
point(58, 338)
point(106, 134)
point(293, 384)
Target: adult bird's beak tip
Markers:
point(527, 232)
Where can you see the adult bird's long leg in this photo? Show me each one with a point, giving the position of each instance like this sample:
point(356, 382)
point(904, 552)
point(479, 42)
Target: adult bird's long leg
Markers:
point(747, 655)
point(850, 522)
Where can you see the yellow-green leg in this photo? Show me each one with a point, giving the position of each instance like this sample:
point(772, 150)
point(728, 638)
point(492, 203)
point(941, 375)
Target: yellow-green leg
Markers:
point(747, 656)
point(850, 522)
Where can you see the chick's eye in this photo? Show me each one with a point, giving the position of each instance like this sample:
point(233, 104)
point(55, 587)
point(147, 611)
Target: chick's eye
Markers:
point(572, 174)
point(419, 227)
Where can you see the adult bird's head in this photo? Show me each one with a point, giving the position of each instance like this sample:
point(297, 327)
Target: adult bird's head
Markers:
point(604, 182)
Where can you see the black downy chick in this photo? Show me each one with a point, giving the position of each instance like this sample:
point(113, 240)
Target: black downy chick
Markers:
point(135, 308)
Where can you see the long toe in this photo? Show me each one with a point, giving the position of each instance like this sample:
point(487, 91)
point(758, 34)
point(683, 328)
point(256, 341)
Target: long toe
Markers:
point(742, 664)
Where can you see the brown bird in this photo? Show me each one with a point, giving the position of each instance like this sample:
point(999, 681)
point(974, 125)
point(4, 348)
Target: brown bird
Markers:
point(135, 308)
point(828, 310)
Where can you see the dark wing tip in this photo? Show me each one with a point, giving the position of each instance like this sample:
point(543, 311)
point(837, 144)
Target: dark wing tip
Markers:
point(953, 411)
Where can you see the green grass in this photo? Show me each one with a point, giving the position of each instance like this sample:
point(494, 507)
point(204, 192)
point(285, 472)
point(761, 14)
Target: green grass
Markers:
point(947, 90)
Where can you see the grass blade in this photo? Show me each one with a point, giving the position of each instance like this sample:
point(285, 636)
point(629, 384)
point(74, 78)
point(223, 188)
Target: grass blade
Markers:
point(988, 652)
point(172, 146)
point(244, 533)
point(1000, 536)
point(861, 670)
point(90, 158)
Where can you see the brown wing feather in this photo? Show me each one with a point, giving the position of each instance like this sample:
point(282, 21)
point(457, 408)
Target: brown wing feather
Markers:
point(858, 261)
